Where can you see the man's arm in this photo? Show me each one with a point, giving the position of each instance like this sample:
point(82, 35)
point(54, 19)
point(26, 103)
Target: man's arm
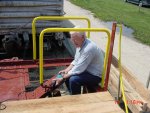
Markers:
point(65, 71)
point(69, 68)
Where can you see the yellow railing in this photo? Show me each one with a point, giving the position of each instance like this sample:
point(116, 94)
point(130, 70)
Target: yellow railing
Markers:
point(120, 70)
point(66, 30)
point(53, 18)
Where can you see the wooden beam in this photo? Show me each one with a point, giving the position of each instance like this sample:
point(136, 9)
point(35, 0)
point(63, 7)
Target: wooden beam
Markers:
point(135, 102)
point(134, 82)
point(86, 103)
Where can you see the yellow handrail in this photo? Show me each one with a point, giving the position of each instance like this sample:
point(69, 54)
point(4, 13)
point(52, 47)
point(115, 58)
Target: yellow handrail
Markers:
point(66, 30)
point(53, 18)
point(120, 70)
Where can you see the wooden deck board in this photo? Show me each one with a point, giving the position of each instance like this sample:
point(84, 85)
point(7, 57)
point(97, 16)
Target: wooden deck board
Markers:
point(86, 103)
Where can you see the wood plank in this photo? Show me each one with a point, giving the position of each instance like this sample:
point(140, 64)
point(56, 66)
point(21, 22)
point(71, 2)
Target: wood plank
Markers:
point(103, 107)
point(134, 82)
point(86, 103)
point(130, 93)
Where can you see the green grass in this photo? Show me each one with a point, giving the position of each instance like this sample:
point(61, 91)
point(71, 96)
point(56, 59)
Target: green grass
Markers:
point(122, 12)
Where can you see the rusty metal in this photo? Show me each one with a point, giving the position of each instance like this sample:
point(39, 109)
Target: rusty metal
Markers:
point(40, 91)
point(110, 56)
point(12, 84)
point(14, 78)
point(25, 64)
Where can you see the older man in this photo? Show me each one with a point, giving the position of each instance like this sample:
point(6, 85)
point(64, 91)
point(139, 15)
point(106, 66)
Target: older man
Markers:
point(86, 68)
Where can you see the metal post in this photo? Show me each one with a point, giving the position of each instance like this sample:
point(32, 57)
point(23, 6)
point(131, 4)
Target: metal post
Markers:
point(148, 81)
point(110, 56)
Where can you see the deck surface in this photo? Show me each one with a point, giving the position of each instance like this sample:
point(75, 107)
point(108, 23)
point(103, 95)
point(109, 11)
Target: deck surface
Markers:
point(86, 103)
point(12, 84)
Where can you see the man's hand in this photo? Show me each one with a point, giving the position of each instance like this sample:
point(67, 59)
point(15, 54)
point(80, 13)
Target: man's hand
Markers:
point(65, 76)
point(58, 80)
point(63, 71)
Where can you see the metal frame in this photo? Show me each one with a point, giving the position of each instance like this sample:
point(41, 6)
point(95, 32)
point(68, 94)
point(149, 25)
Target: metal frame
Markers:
point(110, 56)
point(14, 75)
point(72, 29)
point(53, 18)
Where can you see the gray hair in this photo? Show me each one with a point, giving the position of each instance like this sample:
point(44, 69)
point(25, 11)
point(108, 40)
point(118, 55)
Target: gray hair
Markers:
point(80, 34)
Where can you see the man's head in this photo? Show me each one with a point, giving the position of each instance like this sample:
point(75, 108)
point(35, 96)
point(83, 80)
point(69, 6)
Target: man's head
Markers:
point(78, 38)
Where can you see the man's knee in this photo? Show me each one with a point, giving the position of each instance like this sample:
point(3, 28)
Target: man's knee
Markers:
point(74, 80)
point(75, 85)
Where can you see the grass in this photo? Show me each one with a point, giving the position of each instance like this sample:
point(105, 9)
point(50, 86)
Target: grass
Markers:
point(122, 12)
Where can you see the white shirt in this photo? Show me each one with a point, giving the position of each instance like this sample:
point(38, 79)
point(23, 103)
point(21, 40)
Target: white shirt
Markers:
point(88, 58)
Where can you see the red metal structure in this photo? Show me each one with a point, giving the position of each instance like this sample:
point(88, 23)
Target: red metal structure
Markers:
point(110, 56)
point(14, 78)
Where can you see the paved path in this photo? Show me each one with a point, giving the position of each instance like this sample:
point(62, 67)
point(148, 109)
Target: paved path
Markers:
point(135, 56)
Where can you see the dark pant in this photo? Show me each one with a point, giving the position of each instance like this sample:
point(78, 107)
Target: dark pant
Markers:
point(75, 82)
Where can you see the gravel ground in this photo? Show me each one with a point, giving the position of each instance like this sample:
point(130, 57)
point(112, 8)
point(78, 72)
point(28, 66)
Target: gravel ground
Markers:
point(135, 56)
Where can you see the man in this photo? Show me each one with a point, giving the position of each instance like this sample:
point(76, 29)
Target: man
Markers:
point(86, 68)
